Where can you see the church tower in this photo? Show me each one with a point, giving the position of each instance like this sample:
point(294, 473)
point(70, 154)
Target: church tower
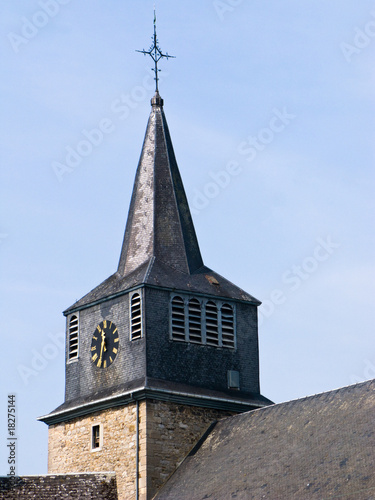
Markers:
point(158, 351)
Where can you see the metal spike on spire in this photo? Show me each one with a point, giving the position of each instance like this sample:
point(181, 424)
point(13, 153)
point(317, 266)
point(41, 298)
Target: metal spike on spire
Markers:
point(156, 54)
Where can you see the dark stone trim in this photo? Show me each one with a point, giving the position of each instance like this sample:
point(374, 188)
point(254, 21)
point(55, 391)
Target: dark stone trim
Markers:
point(155, 394)
point(202, 439)
point(72, 309)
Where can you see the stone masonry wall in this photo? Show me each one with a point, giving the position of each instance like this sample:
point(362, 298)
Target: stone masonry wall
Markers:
point(69, 446)
point(167, 433)
point(172, 431)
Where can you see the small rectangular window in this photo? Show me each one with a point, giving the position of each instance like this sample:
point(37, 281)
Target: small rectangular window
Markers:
point(96, 437)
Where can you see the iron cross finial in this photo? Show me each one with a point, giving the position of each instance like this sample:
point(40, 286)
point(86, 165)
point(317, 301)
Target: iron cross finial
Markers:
point(155, 53)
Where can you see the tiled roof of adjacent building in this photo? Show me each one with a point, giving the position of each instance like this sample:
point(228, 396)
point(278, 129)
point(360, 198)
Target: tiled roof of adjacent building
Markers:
point(95, 486)
point(160, 246)
point(318, 447)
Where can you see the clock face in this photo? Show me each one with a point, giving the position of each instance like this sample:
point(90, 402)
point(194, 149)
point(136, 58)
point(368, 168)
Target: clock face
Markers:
point(104, 344)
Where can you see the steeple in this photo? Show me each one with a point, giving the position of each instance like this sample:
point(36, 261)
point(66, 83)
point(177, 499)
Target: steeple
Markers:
point(160, 247)
point(163, 339)
point(159, 223)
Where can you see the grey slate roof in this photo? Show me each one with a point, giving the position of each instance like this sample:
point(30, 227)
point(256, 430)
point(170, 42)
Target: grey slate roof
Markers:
point(160, 246)
point(159, 222)
point(95, 486)
point(318, 447)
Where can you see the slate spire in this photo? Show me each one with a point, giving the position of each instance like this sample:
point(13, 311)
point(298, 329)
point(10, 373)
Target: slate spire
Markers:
point(159, 225)
point(160, 247)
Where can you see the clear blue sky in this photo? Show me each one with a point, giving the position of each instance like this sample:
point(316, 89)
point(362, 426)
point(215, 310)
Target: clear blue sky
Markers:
point(271, 111)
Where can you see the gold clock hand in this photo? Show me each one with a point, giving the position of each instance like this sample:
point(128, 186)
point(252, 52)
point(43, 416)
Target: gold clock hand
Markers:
point(102, 346)
point(104, 340)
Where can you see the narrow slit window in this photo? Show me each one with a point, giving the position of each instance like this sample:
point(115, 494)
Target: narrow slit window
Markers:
point(178, 319)
point(195, 321)
point(95, 437)
point(73, 338)
point(212, 324)
point(136, 317)
point(227, 325)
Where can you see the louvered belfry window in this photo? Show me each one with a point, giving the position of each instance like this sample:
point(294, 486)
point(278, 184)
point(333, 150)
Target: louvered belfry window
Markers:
point(203, 321)
point(195, 321)
point(227, 325)
point(135, 317)
point(73, 338)
point(178, 319)
point(212, 324)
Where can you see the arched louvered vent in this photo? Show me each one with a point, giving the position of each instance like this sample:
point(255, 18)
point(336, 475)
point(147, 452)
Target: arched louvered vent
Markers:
point(212, 324)
point(227, 325)
point(178, 319)
point(201, 321)
point(195, 321)
point(136, 317)
point(73, 338)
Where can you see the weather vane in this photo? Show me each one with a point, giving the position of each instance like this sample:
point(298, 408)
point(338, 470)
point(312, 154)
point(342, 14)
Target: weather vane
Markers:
point(155, 53)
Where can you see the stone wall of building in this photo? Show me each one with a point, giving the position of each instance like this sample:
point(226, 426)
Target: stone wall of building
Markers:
point(172, 431)
point(70, 450)
point(167, 433)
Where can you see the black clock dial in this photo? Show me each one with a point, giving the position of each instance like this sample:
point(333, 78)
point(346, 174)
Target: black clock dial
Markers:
point(104, 344)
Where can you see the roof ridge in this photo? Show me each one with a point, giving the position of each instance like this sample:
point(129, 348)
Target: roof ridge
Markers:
point(312, 396)
point(174, 192)
point(101, 473)
point(149, 267)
